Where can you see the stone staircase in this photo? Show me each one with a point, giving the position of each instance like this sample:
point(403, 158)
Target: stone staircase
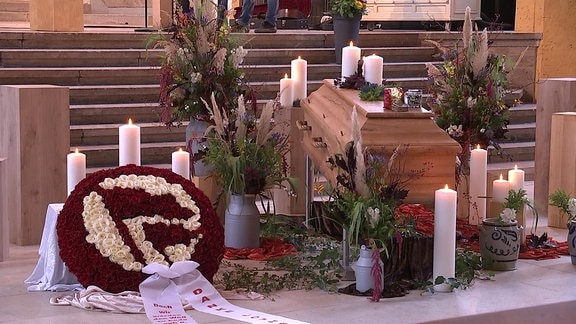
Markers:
point(113, 77)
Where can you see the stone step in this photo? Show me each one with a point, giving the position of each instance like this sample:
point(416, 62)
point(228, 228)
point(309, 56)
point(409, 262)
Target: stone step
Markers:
point(13, 16)
point(523, 113)
point(14, 6)
point(326, 55)
point(80, 57)
point(113, 94)
point(114, 113)
point(66, 76)
point(496, 169)
point(512, 152)
point(524, 132)
point(107, 134)
point(151, 153)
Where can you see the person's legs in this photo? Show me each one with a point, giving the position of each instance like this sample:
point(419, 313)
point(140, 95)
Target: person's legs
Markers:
point(272, 12)
point(247, 10)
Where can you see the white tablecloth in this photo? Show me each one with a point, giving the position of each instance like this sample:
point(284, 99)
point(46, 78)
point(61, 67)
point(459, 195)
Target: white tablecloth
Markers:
point(51, 273)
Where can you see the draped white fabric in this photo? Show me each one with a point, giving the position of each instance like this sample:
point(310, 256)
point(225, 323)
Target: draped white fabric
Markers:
point(51, 273)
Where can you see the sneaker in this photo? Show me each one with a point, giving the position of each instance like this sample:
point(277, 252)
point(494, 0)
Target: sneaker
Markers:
point(236, 27)
point(266, 28)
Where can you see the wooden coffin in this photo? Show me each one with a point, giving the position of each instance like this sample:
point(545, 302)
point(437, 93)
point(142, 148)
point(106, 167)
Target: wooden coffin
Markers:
point(327, 129)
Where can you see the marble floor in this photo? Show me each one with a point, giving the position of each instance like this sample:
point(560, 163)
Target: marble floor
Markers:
point(537, 292)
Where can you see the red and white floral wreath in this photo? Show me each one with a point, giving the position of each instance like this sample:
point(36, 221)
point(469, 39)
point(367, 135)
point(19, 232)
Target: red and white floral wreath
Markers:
point(117, 221)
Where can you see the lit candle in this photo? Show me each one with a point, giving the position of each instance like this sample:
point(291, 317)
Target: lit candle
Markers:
point(444, 263)
point(478, 179)
point(129, 144)
point(516, 178)
point(299, 73)
point(500, 190)
point(286, 92)
point(181, 163)
point(350, 58)
point(373, 66)
point(76, 169)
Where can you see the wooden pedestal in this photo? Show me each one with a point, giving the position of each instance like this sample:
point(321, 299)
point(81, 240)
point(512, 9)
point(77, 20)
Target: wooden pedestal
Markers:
point(554, 95)
point(562, 162)
point(57, 15)
point(328, 113)
point(4, 226)
point(35, 137)
point(284, 203)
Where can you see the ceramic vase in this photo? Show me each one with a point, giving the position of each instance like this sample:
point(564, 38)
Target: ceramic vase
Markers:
point(346, 29)
point(363, 270)
point(499, 244)
point(572, 240)
point(242, 222)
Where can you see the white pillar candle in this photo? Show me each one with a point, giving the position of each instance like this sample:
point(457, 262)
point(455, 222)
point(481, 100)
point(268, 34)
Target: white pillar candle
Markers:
point(478, 179)
point(350, 58)
point(500, 190)
point(286, 92)
point(373, 67)
point(129, 144)
point(181, 163)
point(76, 169)
point(516, 178)
point(444, 259)
point(299, 74)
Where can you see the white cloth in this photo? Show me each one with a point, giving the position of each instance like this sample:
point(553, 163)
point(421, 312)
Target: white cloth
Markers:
point(51, 273)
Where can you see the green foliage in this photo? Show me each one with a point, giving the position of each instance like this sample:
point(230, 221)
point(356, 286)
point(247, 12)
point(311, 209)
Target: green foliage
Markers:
point(348, 8)
point(516, 200)
point(372, 92)
point(564, 202)
point(316, 266)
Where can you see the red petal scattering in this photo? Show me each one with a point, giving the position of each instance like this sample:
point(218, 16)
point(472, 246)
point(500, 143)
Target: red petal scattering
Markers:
point(270, 248)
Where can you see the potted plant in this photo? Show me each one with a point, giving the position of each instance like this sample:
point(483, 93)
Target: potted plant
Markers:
point(567, 205)
point(501, 237)
point(200, 59)
point(346, 17)
point(247, 154)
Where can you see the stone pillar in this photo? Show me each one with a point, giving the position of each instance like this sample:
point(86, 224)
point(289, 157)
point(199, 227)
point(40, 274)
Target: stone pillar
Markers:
point(57, 15)
point(555, 95)
point(162, 14)
point(4, 226)
point(562, 162)
point(35, 138)
point(555, 20)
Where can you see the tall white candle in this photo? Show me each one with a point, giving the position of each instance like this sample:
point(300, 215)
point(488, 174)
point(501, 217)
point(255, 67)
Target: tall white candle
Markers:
point(286, 92)
point(444, 260)
point(350, 58)
point(500, 190)
point(299, 74)
point(181, 163)
point(76, 169)
point(373, 67)
point(516, 178)
point(478, 179)
point(129, 144)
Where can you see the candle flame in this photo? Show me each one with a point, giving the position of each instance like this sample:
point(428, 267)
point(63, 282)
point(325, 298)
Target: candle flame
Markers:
point(351, 43)
point(299, 57)
point(129, 121)
point(76, 151)
point(373, 54)
point(446, 187)
point(515, 166)
point(285, 75)
point(180, 150)
point(477, 146)
point(501, 177)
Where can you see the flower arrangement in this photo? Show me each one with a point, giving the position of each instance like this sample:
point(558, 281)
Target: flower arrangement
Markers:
point(119, 220)
point(348, 8)
point(247, 153)
point(563, 201)
point(200, 58)
point(467, 91)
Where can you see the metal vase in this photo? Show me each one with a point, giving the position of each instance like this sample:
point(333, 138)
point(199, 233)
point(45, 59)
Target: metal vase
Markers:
point(242, 222)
